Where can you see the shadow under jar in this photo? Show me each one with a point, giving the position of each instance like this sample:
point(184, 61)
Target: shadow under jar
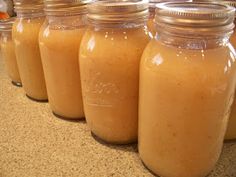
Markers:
point(59, 41)
point(30, 17)
point(187, 84)
point(8, 51)
point(109, 59)
point(231, 130)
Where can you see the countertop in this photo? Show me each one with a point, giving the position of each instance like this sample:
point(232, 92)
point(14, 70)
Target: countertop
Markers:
point(34, 143)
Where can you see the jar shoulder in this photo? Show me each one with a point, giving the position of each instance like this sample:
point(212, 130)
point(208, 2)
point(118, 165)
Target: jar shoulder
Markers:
point(201, 66)
point(114, 41)
point(23, 26)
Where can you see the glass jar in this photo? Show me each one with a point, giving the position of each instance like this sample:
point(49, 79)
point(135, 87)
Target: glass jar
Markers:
point(152, 7)
point(59, 41)
point(30, 17)
point(187, 84)
point(150, 23)
point(231, 130)
point(109, 58)
point(8, 51)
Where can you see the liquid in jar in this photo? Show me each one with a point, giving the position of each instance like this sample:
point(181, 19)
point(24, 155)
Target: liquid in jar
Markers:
point(59, 42)
point(186, 91)
point(109, 64)
point(25, 35)
point(8, 51)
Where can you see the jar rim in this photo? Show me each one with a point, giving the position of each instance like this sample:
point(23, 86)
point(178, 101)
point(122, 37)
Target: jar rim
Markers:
point(115, 12)
point(6, 24)
point(70, 7)
point(196, 18)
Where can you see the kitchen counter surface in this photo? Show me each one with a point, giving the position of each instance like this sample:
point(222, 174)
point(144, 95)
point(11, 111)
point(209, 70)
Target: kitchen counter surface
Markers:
point(34, 143)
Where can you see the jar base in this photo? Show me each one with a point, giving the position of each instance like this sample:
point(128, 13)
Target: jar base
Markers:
point(36, 100)
point(233, 140)
point(156, 175)
point(76, 119)
point(17, 84)
point(102, 141)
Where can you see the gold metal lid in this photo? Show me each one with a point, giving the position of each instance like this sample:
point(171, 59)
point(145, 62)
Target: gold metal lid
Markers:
point(153, 3)
point(116, 12)
point(28, 6)
point(6, 24)
point(56, 7)
point(231, 3)
point(195, 18)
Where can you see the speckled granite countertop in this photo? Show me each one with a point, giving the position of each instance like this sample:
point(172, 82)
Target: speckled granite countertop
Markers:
point(34, 143)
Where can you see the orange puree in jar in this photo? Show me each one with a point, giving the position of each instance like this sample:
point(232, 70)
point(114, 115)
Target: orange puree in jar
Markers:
point(59, 43)
point(231, 131)
point(8, 50)
point(187, 85)
point(30, 18)
point(109, 59)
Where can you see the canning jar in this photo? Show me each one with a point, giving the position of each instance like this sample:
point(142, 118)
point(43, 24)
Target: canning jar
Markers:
point(110, 54)
point(8, 51)
point(30, 17)
point(231, 130)
point(59, 41)
point(152, 7)
point(187, 84)
point(150, 23)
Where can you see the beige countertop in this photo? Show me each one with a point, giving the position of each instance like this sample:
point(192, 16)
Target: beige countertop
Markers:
point(34, 143)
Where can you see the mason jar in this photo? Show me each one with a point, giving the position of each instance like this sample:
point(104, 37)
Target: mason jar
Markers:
point(8, 51)
point(59, 41)
point(30, 17)
point(152, 8)
point(109, 58)
point(187, 84)
point(231, 130)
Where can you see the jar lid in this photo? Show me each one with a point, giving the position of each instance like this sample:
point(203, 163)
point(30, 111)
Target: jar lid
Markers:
point(195, 17)
point(56, 7)
point(153, 3)
point(6, 24)
point(114, 12)
point(230, 3)
point(28, 5)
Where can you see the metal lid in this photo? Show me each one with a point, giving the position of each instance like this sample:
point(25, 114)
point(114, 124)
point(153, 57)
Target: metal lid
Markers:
point(195, 17)
point(231, 3)
point(28, 5)
point(56, 7)
point(6, 24)
point(153, 3)
point(115, 12)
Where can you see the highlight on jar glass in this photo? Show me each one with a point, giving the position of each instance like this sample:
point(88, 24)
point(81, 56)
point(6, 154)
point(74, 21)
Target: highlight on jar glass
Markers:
point(8, 50)
point(59, 41)
point(30, 17)
point(187, 84)
point(110, 54)
point(231, 130)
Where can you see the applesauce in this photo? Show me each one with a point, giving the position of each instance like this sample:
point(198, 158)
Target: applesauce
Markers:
point(25, 35)
point(109, 58)
point(59, 41)
point(231, 131)
point(186, 89)
point(8, 51)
